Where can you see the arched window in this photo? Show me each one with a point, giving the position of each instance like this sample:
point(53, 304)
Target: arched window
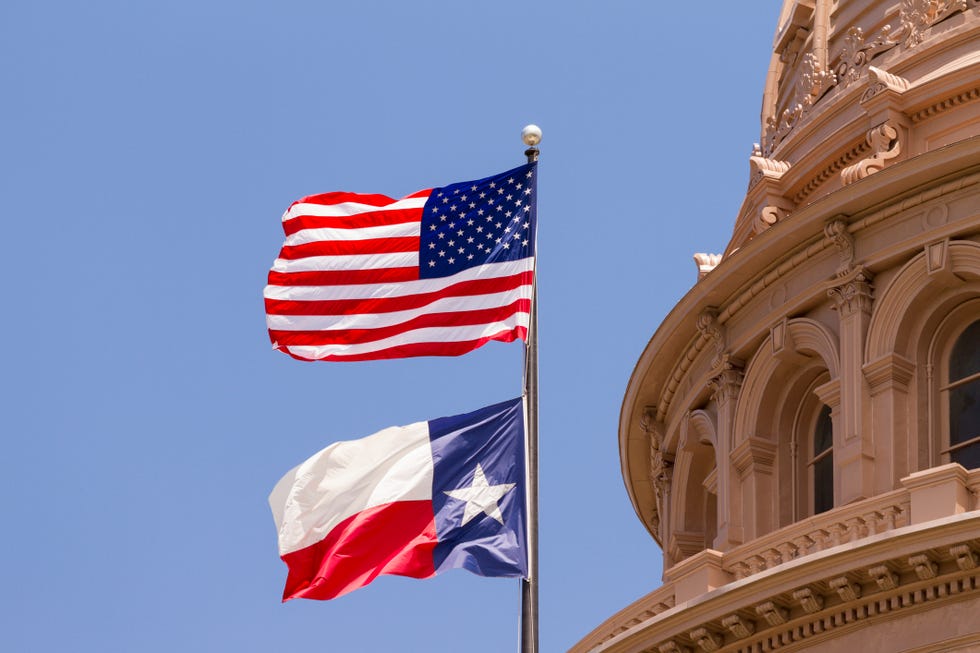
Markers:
point(822, 463)
point(961, 394)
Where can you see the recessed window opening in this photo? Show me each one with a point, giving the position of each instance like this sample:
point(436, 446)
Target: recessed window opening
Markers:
point(962, 394)
point(822, 463)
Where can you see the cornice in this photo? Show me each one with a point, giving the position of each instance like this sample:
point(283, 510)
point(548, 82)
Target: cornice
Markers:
point(815, 597)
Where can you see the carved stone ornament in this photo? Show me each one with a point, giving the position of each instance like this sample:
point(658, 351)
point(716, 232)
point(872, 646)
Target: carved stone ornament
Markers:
point(706, 640)
point(919, 15)
point(661, 463)
point(855, 293)
point(858, 51)
point(712, 331)
point(768, 216)
point(880, 80)
point(924, 567)
point(772, 613)
point(671, 646)
point(837, 231)
point(809, 600)
point(706, 263)
point(727, 383)
point(762, 168)
point(814, 82)
point(847, 590)
point(966, 559)
point(739, 627)
point(884, 577)
point(885, 145)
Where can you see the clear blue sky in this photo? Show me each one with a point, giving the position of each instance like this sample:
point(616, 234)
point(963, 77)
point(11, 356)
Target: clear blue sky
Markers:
point(148, 151)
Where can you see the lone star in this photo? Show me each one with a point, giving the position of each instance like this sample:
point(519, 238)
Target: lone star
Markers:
point(481, 497)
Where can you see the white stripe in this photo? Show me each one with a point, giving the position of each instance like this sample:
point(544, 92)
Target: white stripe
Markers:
point(350, 208)
point(377, 320)
point(348, 477)
point(347, 262)
point(427, 335)
point(401, 230)
point(400, 289)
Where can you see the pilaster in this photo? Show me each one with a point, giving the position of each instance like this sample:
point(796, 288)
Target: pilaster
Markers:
point(853, 295)
point(727, 385)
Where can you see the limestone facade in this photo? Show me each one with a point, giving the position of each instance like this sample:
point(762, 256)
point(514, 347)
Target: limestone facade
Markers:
point(802, 434)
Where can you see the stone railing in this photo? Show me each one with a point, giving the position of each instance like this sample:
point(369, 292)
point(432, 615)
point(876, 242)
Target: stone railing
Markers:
point(849, 523)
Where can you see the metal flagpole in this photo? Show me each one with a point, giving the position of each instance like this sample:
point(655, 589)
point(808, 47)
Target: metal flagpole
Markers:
point(529, 586)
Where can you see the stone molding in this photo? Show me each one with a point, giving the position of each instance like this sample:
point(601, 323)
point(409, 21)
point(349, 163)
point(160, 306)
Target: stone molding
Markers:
point(905, 570)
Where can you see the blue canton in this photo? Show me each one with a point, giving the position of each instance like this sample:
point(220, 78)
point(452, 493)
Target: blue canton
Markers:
point(477, 222)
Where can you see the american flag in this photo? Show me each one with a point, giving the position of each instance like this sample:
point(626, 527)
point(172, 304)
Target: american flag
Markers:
point(437, 273)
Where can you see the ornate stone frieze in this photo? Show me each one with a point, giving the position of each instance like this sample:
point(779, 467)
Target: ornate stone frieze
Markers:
point(919, 15)
point(858, 51)
point(885, 145)
point(814, 81)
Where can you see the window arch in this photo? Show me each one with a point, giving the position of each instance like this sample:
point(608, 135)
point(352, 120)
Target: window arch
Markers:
point(960, 398)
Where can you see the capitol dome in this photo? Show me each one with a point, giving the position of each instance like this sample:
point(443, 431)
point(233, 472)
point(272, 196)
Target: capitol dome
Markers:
point(801, 435)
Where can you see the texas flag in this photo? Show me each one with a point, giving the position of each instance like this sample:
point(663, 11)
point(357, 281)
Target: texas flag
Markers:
point(409, 500)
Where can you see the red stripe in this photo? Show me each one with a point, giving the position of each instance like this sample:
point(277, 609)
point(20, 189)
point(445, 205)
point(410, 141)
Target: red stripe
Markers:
point(424, 348)
point(358, 221)
point(344, 247)
point(360, 336)
point(391, 304)
point(342, 277)
point(396, 538)
point(339, 197)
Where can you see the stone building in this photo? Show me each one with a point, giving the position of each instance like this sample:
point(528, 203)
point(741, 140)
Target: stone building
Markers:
point(801, 435)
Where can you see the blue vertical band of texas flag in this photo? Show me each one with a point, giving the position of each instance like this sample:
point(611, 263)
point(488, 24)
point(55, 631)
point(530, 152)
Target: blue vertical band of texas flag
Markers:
point(488, 442)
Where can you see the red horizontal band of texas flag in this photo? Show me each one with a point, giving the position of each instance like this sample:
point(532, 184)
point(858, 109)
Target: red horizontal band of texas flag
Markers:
point(437, 273)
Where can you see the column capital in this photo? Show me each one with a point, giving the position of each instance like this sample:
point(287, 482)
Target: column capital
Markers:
point(853, 293)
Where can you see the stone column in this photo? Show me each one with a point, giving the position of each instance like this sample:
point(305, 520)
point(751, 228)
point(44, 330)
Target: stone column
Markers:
point(853, 443)
point(726, 386)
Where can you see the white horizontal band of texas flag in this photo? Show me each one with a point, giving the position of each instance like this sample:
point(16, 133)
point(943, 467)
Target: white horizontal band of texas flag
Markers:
point(411, 501)
point(438, 273)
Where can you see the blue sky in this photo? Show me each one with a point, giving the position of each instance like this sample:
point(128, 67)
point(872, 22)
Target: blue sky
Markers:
point(148, 152)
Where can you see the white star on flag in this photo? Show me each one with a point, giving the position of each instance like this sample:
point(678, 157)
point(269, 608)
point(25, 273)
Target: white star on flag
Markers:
point(481, 497)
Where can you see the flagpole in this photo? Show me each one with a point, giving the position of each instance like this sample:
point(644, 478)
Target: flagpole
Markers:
point(529, 586)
